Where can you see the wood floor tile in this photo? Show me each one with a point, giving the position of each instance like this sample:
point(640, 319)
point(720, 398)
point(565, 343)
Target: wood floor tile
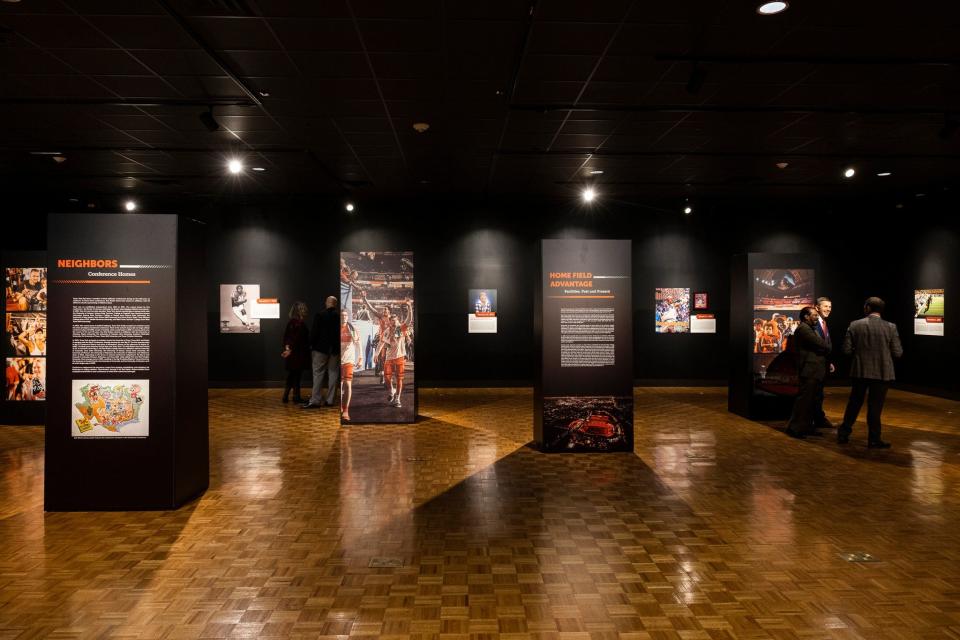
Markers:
point(717, 528)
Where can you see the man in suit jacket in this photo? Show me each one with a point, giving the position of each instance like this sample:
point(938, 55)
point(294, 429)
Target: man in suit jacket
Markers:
point(824, 308)
point(811, 355)
point(873, 343)
point(325, 346)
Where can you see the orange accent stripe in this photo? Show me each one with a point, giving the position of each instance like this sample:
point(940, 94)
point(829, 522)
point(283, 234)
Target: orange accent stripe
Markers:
point(585, 297)
point(102, 281)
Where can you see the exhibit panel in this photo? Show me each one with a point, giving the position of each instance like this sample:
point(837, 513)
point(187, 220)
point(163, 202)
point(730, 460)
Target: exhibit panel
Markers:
point(767, 293)
point(127, 372)
point(583, 398)
point(24, 337)
point(377, 337)
point(928, 317)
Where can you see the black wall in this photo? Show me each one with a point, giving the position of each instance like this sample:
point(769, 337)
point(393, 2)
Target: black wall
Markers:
point(292, 251)
point(866, 247)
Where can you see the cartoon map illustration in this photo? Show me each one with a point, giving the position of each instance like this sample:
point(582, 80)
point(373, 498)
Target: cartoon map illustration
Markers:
point(114, 406)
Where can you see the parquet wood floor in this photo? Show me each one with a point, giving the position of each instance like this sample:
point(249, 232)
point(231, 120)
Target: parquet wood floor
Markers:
point(717, 528)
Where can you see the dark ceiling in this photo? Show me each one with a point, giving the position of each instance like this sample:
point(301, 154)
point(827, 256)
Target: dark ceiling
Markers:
point(700, 97)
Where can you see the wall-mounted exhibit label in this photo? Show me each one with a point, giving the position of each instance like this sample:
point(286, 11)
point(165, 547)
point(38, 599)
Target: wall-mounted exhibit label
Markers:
point(265, 309)
point(482, 311)
point(108, 307)
point(703, 323)
point(111, 408)
point(928, 312)
point(672, 310)
point(778, 297)
point(236, 303)
point(377, 337)
point(585, 397)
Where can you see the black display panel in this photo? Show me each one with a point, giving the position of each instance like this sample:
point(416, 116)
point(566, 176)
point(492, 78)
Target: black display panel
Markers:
point(584, 399)
point(126, 314)
point(767, 293)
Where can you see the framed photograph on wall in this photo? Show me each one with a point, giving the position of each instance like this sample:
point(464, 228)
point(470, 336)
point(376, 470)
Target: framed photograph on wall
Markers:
point(701, 301)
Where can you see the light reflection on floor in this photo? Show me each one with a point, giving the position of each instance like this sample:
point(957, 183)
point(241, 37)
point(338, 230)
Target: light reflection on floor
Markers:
point(718, 527)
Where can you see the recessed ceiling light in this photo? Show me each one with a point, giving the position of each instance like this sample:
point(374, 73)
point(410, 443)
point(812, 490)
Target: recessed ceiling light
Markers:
point(350, 206)
point(688, 209)
point(130, 205)
point(264, 94)
point(258, 169)
point(588, 194)
point(235, 166)
point(884, 174)
point(59, 159)
point(596, 172)
point(850, 172)
point(772, 8)
point(420, 127)
point(783, 165)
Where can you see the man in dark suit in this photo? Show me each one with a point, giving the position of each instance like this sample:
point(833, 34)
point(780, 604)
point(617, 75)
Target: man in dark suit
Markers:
point(325, 346)
point(873, 343)
point(811, 356)
point(824, 308)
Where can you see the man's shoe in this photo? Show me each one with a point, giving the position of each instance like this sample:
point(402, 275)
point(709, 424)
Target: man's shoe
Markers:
point(878, 444)
point(310, 405)
point(795, 434)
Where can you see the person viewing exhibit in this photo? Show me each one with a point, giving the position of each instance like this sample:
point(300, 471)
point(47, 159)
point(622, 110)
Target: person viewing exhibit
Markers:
point(873, 344)
point(296, 350)
point(811, 351)
point(639, 318)
point(325, 356)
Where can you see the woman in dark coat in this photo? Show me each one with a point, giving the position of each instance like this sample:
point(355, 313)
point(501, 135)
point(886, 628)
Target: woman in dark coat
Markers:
point(296, 350)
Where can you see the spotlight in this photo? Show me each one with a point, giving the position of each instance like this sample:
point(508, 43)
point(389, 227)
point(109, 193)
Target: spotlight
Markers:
point(235, 166)
point(783, 165)
point(595, 172)
point(130, 205)
point(884, 174)
point(688, 209)
point(588, 194)
point(209, 121)
point(258, 168)
point(697, 77)
point(850, 172)
point(350, 206)
point(772, 8)
point(59, 159)
point(421, 127)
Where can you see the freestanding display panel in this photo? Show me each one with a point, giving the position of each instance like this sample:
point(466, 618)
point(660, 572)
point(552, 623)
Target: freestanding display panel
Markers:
point(24, 351)
point(583, 398)
point(377, 337)
point(767, 291)
point(127, 372)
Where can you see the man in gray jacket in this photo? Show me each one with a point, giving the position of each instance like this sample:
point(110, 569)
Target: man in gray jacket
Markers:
point(873, 343)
